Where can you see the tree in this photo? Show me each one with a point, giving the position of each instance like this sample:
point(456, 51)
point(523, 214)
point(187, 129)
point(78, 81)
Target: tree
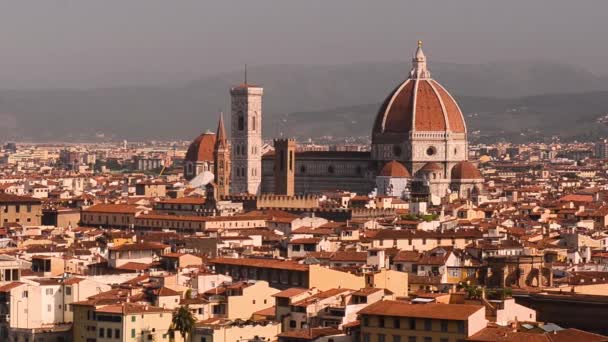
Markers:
point(473, 292)
point(183, 321)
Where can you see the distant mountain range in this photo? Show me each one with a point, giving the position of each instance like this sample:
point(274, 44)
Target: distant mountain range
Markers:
point(571, 116)
point(511, 100)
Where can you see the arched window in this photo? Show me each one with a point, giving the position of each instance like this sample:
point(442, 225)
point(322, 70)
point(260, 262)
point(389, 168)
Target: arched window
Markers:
point(241, 121)
point(397, 150)
point(253, 123)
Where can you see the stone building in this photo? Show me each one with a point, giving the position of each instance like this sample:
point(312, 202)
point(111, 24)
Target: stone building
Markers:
point(221, 161)
point(24, 210)
point(246, 139)
point(199, 157)
point(393, 180)
point(521, 271)
point(419, 125)
point(284, 168)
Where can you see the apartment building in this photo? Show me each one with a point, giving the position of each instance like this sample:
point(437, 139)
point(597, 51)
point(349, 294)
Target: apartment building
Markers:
point(103, 321)
point(41, 306)
point(400, 321)
point(20, 209)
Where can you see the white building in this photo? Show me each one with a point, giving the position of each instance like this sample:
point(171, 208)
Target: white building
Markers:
point(246, 139)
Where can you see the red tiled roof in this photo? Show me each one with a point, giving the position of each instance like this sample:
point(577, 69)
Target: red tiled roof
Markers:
point(434, 311)
point(262, 263)
point(138, 246)
point(134, 266)
point(349, 256)
point(183, 200)
point(290, 292)
point(113, 209)
point(8, 198)
point(10, 286)
point(305, 241)
point(310, 334)
point(576, 198)
point(268, 312)
point(394, 169)
point(131, 308)
point(465, 170)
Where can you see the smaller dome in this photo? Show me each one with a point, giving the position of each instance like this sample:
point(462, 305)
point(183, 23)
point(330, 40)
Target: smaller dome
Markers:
point(430, 167)
point(395, 169)
point(465, 170)
point(201, 149)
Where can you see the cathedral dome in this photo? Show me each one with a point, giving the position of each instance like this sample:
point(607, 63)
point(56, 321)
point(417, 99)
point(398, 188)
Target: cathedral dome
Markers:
point(465, 170)
point(431, 167)
point(418, 104)
point(395, 169)
point(201, 149)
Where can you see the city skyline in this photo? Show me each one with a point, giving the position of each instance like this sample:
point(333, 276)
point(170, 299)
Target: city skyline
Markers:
point(364, 171)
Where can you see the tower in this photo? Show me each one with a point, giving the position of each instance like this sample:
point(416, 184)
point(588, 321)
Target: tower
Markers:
point(221, 160)
point(246, 138)
point(284, 166)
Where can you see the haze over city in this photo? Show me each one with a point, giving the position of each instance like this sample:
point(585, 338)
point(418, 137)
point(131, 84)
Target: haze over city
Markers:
point(74, 44)
point(313, 171)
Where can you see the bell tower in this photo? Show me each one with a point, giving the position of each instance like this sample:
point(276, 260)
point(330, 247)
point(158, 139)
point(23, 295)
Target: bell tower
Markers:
point(221, 160)
point(246, 138)
point(284, 166)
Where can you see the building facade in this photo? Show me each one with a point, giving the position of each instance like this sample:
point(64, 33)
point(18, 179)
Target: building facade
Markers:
point(246, 139)
point(419, 125)
point(20, 209)
point(221, 160)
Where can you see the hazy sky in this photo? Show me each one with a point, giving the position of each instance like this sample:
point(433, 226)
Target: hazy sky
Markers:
point(88, 43)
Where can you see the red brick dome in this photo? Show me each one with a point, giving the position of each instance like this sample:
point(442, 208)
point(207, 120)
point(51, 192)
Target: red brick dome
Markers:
point(465, 170)
point(201, 149)
point(395, 169)
point(418, 104)
point(430, 167)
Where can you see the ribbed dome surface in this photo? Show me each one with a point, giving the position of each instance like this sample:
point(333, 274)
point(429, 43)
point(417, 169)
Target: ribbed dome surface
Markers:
point(395, 169)
point(431, 166)
point(201, 149)
point(465, 170)
point(419, 105)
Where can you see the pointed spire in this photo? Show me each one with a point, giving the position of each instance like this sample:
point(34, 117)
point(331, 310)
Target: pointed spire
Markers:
point(220, 137)
point(419, 69)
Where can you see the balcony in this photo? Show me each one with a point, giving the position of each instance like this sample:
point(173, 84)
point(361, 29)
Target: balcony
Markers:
point(217, 299)
point(333, 312)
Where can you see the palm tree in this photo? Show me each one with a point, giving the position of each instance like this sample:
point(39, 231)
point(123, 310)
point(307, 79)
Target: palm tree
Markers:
point(183, 321)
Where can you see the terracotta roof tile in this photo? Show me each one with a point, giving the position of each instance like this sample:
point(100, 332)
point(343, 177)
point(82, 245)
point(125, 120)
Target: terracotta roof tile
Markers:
point(434, 311)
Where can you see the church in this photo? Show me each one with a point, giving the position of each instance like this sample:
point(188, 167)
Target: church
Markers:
point(418, 149)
